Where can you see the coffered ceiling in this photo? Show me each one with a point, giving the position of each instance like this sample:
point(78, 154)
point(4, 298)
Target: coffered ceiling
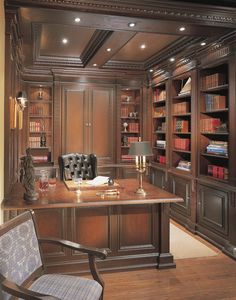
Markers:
point(106, 41)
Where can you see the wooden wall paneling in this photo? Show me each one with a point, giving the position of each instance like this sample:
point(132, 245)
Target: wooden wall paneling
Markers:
point(213, 209)
point(101, 122)
point(158, 177)
point(58, 120)
point(135, 227)
point(57, 228)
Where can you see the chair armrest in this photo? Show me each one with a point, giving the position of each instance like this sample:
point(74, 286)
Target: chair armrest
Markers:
point(101, 253)
point(21, 292)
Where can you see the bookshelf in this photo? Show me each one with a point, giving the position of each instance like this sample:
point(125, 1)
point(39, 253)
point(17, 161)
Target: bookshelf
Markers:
point(40, 115)
point(159, 124)
point(130, 127)
point(181, 113)
point(214, 115)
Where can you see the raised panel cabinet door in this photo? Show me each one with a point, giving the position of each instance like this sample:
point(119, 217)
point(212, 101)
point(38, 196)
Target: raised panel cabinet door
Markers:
point(182, 188)
point(213, 209)
point(101, 123)
point(75, 117)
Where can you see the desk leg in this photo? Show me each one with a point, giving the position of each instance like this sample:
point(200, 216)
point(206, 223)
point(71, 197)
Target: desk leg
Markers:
point(165, 258)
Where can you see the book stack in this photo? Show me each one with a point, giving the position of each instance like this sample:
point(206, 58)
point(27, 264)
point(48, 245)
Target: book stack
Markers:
point(181, 108)
point(134, 127)
point(161, 144)
point(160, 112)
point(217, 148)
point(127, 157)
point(186, 89)
point(217, 172)
point(182, 144)
point(214, 102)
point(184, 165)
point(181, 125)
point(213, 80)
point(161, 159)
point(40, 158)
point(210, 124)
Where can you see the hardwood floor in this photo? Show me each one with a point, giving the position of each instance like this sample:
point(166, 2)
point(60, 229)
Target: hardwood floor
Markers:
point(208, 278)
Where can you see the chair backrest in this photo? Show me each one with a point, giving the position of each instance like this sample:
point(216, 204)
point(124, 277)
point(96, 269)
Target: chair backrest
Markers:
point(20, 256)
point(78, 165)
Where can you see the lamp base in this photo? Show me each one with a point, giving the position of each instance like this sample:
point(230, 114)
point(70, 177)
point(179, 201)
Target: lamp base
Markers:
point(141, 191)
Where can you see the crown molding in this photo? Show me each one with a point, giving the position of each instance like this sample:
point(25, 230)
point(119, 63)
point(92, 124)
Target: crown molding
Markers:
point(158, 9)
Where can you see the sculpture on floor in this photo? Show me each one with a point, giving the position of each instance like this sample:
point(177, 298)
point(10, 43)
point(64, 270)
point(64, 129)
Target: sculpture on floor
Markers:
point(27, 177)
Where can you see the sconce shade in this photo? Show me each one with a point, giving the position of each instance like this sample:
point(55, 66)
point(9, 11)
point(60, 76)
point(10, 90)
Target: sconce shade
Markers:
point(140, 149)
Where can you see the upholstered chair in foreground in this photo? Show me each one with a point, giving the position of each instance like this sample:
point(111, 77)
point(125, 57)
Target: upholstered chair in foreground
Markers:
point(21, 266)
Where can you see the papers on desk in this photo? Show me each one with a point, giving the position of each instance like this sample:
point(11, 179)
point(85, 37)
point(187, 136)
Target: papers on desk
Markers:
point(99, 180)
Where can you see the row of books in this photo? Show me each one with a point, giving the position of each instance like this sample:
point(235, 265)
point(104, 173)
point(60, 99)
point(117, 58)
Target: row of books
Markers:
point(160, 112)
point(181, 108)
point(35, 126)
point(161, 144)
point(132, 139)
point(209, 124)
point(214, 102)
point(217, 148)
point(181, 125)
point(159, 95)
point(182, 144)
point(213, 80)
point(133, 127)
point(34, 141)
point(39, 110)
point(184, 165)
point(217, 172)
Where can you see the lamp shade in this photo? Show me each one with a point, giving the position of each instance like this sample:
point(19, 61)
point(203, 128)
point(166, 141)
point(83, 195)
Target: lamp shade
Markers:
point(140, 149)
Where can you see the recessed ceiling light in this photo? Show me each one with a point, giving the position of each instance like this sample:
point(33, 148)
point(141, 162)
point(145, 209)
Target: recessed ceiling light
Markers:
point(172, 59)
point(108, 49)
point(77, 20)
point(64, 41)
point(151, 70)
point(95, 65)
point(132, 24)
point(143, 46)
point(182, 28)
point(203, 44)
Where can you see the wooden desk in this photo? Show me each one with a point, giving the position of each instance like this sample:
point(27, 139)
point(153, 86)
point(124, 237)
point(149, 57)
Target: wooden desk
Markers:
point(134, 229)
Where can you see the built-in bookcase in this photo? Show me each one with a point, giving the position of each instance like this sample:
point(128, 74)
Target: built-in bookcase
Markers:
point(181, 113)
point(159, 124)
point(40, 123)
point(214, 127)
point(130, 114)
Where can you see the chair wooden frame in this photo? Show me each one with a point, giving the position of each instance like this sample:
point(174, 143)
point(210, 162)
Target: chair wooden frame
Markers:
point(20, 290)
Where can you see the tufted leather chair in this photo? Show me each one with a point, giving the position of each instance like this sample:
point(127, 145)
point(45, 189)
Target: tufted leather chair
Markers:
point(78, 165)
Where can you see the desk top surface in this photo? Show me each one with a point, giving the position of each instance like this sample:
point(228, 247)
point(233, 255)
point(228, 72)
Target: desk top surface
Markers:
point(60, 196)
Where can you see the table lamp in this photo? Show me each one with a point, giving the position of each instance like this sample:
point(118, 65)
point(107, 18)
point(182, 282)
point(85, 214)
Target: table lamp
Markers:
point(140, 150)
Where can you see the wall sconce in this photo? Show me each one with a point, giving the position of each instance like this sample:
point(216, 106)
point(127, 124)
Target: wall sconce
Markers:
point(140, 150)
point(21, 100)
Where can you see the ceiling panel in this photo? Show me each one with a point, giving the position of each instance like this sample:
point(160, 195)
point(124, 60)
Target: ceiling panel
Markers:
point(154, 43)
point(52, 35)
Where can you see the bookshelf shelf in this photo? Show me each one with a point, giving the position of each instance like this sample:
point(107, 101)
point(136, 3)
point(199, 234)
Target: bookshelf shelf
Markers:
point(182, 151)
point(216, 88)
point(216, 111)
point(215, 133)
point(214, 155)
point(188, 95)
point(181, 133)
point(159, 117)
point(182, 115)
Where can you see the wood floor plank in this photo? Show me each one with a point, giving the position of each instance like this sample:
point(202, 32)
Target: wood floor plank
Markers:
point(208, 278)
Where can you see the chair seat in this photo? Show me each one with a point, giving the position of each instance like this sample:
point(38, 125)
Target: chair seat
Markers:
point(67, 287)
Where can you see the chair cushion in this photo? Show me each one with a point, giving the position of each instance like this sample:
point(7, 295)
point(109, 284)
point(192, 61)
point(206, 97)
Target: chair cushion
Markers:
point(67, 287)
